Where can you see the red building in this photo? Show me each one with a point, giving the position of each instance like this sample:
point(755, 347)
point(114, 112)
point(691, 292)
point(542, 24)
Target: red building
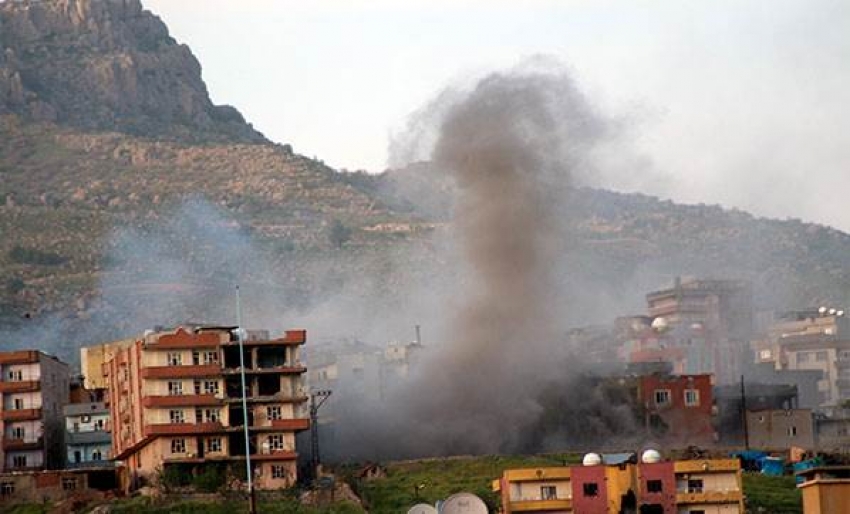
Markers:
point(679, 408)
point(657, 488)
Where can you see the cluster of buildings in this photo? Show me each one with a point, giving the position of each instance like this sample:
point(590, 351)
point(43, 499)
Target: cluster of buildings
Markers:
point(168, 400)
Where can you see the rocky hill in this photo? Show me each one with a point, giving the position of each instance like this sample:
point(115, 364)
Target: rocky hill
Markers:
point(128, 199)
point(106, 65)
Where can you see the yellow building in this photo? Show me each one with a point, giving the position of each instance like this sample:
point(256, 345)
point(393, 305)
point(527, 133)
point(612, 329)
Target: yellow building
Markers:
point(92, 359)
point(709, 486)
point(535, 490)
point(826, 489)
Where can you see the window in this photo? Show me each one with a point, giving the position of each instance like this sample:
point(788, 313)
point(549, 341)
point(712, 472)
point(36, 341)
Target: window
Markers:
point(662, 397)
point(175, 359)
point(278, 471)
point(19, 461)
point(99, 424)
point(196, 357)
point(19, 433)
point(765, 354)
point(214, 444)
point(7, 488)
point(802, 357)
point(211, 415)
point(700, 511)
point(211, 386)
point(695, 485)
point(16, 375)
point(96, 455)
point(276, 442)
point(85, 418)
point(69, 483)
point(18, 404)
point(176, 416)
point(654, 486)
point(820, 356)
point(178, 446)
point(273, 412)
point(591, 489)
point(548, 492)
point(175, 388)
point(792, 431)
point(211, 357)
point(692, 397)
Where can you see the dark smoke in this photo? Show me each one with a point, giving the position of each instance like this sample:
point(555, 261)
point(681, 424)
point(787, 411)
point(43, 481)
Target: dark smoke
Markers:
point(512, 145)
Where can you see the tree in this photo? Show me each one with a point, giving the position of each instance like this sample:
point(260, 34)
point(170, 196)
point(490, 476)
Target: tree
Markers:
point(339, 234)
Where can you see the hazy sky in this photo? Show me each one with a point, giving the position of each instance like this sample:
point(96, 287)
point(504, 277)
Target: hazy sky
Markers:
point(744, 103)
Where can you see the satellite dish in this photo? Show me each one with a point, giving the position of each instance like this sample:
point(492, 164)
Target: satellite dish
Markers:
point(822, 310)
point(831, 311)
point(591, 459)
point(659, 324)
point(840, 313)
point(464, 503)
point(650, 457)
point(422, 508)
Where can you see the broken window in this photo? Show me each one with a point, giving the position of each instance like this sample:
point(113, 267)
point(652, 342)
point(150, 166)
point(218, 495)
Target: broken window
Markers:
point(695, 485)
point(654, 486)
point(271, 356)
point(591, 489)
point(269, 385)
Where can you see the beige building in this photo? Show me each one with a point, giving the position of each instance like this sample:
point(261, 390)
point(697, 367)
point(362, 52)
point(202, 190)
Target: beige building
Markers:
point(92, 359)
point(34, 388)
point(709, 486)
point(781, 429)
point(175, 401)
point(813, 341)
point(535, 490)
point(826, 490)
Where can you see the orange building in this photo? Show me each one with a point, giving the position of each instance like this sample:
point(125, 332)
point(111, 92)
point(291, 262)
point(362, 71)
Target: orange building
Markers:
point(175, 400)
point(826, 489)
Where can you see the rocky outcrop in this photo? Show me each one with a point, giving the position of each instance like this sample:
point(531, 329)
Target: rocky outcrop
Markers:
point(107, 65)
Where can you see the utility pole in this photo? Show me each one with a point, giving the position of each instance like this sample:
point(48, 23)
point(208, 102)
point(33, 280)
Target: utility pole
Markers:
point(322, 395)
point(744, 415)
point(252, 500)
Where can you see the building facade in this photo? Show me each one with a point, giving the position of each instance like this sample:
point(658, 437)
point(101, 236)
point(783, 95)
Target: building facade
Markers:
point(826, 490)
point(679, 408)
point(535, 490)
point(33, 391)
point(87, 435)
point(176, 401)
point(781, 429)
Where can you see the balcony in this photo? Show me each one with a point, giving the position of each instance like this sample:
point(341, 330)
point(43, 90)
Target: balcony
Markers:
point(284, 370)
point(20, 414)
point(274, 398)
point(541, 505)
point(20, 386)
point(10, 444)
point(19, 357)
point(292, 337)
point(199, 371)
point(91, 464)
point(183, 428)
point(275, 455)
point(184, 400)
point(89, 437)
point(709, 497)
point(291, 424)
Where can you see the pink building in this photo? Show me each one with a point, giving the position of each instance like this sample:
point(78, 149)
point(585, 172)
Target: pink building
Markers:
point(33, 391)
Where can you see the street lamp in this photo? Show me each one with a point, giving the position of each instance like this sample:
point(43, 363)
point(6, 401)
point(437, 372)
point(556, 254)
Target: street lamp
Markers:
point(252, 500)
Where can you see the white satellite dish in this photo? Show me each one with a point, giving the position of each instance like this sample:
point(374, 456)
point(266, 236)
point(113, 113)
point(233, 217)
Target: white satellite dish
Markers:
point(591, 459)
point(422, 508)
point(650, 457)
point(464, 503)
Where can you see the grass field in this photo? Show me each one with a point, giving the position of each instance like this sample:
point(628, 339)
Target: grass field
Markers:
point(410, 482)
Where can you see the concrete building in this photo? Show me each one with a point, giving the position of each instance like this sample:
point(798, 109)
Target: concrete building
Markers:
point(679, 409)
point(92, 360)
point(535, 490)
point(33, 391)
point(614, 484)
point(813, 340)
point(708, 322)
point(826, 490)
point(175, 401)
point(780, 429)
point(87, 436)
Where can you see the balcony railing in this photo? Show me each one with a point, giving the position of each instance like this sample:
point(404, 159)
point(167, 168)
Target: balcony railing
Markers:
point(20, 386)
point(182, 400)
point(12, 444)
point(183, 428)
point(89, 437)
point(194, 371)
point(20, 414)
point(291, 424)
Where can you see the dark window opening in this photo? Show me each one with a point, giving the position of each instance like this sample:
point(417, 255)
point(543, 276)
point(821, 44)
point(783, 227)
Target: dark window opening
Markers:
point(654, 486)
point(233, 386)
point(231, 357)
point(591, 489)
point(269, 385)
point(548, 492)
point(271, 356)
point(695, 485)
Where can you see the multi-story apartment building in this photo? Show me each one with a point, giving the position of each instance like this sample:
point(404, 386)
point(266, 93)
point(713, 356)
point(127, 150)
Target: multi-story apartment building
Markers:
point(33, 391)
point(707, 324)
point(813, 340)
point(87, 436)
point(176, 400)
